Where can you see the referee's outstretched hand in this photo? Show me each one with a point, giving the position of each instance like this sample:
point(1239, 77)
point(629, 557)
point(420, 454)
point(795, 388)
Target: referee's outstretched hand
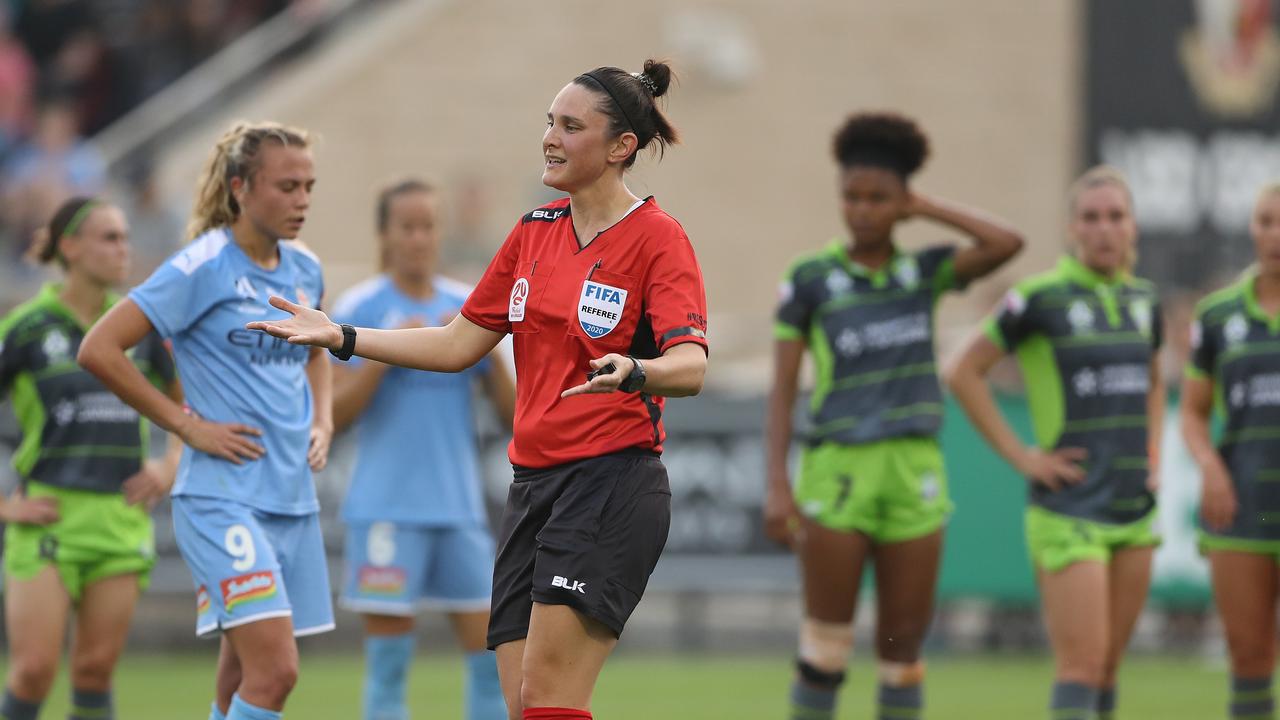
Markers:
point(606, 383)
point(307, 326)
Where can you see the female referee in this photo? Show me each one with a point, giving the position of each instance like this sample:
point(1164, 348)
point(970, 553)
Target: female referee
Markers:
point(417, 532)
point(872, 482)
point(77, 533)
point(244, 507)
point(1086, 335)
point(598, 281)
point(1233, 366)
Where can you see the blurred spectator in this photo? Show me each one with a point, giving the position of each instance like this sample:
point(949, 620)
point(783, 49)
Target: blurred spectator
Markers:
point(53, 165)
point(17, 82)
point(45, 25)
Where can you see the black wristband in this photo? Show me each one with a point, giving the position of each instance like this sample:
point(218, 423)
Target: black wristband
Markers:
point(348, 343)
point(635, 380)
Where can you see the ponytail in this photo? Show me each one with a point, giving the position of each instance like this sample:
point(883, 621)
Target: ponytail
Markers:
point(237, 154)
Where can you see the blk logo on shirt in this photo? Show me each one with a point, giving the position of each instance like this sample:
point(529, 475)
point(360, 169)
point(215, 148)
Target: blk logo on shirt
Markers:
point(600, 308)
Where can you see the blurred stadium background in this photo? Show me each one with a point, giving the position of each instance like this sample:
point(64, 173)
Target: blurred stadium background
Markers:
point(126, 96)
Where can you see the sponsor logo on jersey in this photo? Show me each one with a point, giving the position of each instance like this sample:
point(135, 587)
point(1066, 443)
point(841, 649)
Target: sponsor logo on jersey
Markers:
point(56, 346)
point(1261, 391)
point(202, 600)
point(896, 332)
point(1080, 317)
point(1130, 379)
point(519, 298)
point(1235, 330)
point(243, 589)
point(571, 585)
point(600, 308)
point(838, 283)
point(907, 271)
point(386, 581)
point(64, 413)
point(1140, 311)
point(544, 215)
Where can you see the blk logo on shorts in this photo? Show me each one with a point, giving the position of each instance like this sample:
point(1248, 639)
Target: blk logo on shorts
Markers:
point(571, 585)
point(49, 548)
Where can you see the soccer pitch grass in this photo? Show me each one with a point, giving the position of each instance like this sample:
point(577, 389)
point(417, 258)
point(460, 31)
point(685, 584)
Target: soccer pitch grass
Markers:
point(635, 687)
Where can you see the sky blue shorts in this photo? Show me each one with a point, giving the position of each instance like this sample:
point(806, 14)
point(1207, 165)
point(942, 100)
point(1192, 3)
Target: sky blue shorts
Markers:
point(398, 569)
point(249, 565)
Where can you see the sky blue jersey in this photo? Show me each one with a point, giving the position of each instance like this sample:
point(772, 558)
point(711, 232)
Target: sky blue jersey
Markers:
point(201, 299)
point(416, 458)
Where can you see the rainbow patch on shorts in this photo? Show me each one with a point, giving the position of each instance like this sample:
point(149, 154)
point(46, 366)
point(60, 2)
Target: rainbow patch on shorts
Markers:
point(202, 600)
point(385, 581)
point(242, 589)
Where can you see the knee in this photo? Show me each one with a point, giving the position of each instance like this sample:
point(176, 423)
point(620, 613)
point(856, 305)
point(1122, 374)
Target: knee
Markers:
point(1084, 670)
point(92, 670)
point(271, 682)
point(31, 675)
point(899, 643)
point(825, 650)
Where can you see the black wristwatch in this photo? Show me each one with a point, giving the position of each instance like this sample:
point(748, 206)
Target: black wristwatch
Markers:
point(348, 343)
point(634, 381)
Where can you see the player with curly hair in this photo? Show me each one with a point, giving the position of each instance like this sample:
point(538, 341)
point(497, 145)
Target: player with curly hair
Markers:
point(872, 485)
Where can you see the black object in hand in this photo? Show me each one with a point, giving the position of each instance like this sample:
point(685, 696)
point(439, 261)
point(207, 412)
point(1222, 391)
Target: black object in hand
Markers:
point(610, 368)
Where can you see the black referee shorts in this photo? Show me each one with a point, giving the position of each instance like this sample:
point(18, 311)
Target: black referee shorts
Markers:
point(586, 534)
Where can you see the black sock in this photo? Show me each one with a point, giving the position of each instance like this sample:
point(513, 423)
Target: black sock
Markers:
point(11, 708)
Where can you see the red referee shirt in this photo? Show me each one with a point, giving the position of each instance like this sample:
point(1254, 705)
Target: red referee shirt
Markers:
point(635, 289)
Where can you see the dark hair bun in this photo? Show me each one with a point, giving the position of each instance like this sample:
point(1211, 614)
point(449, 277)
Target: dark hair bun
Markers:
point(660, 73)
point(887, 140)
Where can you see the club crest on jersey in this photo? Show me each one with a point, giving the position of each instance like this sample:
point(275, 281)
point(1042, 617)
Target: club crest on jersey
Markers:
point(838, 283)
point(1140, 311)
point(907, 271)
point(519, 298)
point(1235, 330)
point(1080, 316)
point(600, 308)
point(56, 346)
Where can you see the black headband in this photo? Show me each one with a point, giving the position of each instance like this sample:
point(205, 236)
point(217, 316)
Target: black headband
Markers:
point(630, 125)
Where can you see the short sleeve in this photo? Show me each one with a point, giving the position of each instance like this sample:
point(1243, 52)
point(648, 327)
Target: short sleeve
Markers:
point(1157, 326)
point(9, 362)
point(173, 299)
point(675, 300)
point(1204, 351)
point(795, 308)
point(1009, 325)
point(938, 269)
point(488, 304)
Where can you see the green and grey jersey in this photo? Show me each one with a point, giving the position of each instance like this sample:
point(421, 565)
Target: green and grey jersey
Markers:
point(75, 432)
point(1236, 345)
point(871, 337)
point(1085, 344)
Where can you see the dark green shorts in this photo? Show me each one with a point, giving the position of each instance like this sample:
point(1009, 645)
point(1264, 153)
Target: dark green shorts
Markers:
point(97, 536)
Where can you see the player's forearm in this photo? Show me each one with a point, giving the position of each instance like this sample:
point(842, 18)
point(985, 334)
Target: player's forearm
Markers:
point(1155, 416)
point(1197, 436)
point(320, 376)
point(972, 391)
point(778, 429)
point(113, 368)
point(995, 241)
point(678, 373)
point(438, 349)
point(353, 390)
